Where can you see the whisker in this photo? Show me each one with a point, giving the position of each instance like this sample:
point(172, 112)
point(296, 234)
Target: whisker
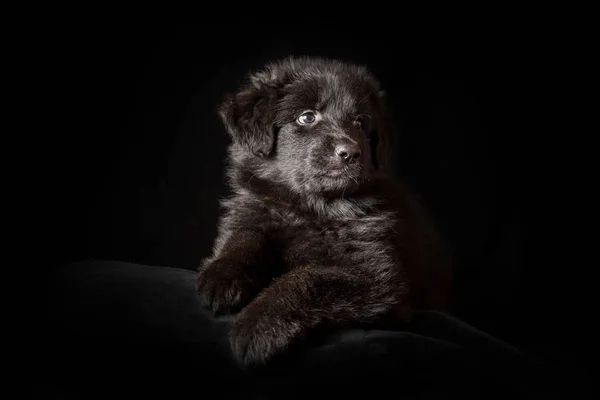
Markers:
point(364, 99)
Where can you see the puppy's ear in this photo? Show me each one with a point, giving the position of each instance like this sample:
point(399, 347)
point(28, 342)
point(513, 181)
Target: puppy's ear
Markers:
point(249, 118)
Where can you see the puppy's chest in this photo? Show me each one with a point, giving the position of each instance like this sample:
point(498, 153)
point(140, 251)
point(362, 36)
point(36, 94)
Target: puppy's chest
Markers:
point(329, 243)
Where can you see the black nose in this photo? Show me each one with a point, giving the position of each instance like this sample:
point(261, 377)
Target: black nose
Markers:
point(349, 152)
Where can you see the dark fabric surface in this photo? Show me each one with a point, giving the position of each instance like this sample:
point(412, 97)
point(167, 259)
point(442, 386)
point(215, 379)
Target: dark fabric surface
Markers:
point(124, 329)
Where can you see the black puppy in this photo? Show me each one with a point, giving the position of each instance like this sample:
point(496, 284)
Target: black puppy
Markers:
point(317, 232)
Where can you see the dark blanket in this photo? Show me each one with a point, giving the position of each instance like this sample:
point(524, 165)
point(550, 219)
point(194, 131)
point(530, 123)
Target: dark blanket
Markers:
point(123, 329)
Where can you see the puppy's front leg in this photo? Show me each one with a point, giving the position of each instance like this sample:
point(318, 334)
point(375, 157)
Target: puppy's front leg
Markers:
point(304, 298)
point(239, 269)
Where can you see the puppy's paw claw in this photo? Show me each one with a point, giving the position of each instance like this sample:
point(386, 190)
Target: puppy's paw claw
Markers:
point(257, 339)
point(223, 287)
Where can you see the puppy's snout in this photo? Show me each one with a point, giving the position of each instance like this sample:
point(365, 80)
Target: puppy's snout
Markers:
point(348, 152)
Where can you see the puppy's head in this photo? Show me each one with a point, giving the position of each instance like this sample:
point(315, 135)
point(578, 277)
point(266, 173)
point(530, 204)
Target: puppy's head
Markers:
point(316, 126)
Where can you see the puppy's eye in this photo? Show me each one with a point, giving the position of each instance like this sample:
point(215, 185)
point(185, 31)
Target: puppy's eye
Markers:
point(358, 122)
point(307, 117)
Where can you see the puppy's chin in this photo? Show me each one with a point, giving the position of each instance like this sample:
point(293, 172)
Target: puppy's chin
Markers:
point(341, 181)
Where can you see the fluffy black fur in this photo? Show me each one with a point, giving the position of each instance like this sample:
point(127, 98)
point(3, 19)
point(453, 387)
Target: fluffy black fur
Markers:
point(318, 232)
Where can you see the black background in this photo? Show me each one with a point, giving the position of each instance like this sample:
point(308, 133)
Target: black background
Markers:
point(133, 151)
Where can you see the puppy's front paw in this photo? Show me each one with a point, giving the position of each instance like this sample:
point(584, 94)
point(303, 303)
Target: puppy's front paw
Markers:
point(256, 337)
point(224, 287)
